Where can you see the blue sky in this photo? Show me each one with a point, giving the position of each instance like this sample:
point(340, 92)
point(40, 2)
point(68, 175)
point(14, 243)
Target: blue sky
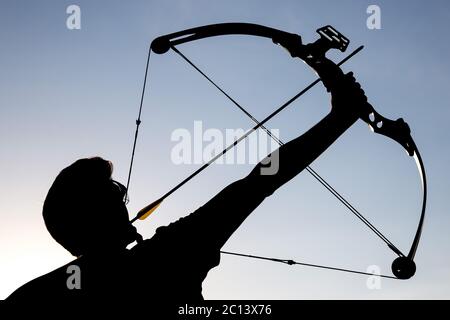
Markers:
point(66, 94)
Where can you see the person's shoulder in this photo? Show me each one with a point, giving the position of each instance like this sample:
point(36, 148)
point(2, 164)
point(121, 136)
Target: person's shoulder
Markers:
point(47, 286)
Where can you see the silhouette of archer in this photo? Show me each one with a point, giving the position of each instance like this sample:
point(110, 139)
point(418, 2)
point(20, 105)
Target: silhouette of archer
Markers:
point(85, 212)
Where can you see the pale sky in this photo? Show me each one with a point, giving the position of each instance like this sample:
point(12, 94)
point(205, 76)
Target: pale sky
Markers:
point(67, 94)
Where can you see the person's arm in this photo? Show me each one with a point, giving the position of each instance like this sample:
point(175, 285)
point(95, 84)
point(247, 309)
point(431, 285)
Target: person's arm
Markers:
point(215, 222)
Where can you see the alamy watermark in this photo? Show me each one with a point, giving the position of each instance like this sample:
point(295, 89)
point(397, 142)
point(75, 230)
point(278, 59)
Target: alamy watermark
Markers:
point(74, 279)
point(200, 145)
point(73, 21)
point(373, 21)
point(374, 282)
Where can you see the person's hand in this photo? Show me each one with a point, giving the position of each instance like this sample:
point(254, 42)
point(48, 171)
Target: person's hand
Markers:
point(347, 96)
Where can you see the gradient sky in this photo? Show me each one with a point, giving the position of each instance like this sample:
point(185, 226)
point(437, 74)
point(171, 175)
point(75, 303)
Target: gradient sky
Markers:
point(67, 94)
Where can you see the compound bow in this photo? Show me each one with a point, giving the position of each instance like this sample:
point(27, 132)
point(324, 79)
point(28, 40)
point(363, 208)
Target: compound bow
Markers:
point(313, 54)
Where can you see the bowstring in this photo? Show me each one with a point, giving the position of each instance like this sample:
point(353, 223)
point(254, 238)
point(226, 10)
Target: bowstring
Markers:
point(138, 123)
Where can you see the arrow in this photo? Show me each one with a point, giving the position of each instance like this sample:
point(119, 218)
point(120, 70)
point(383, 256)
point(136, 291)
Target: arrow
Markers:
point(149, 209)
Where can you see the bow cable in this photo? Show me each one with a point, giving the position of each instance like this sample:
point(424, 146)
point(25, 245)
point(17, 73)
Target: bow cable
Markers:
point(293, 262)
point(314, 173)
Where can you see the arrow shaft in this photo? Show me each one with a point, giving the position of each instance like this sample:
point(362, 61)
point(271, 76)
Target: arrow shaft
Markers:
point(257, 126)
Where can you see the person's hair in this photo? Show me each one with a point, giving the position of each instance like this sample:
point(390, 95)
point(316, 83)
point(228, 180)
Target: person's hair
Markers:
point(73, 206)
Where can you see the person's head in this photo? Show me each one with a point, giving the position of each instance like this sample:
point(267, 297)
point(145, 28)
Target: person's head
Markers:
point(84, 210)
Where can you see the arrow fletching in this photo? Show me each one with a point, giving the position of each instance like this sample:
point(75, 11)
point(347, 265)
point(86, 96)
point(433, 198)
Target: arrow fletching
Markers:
point(148, 210)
